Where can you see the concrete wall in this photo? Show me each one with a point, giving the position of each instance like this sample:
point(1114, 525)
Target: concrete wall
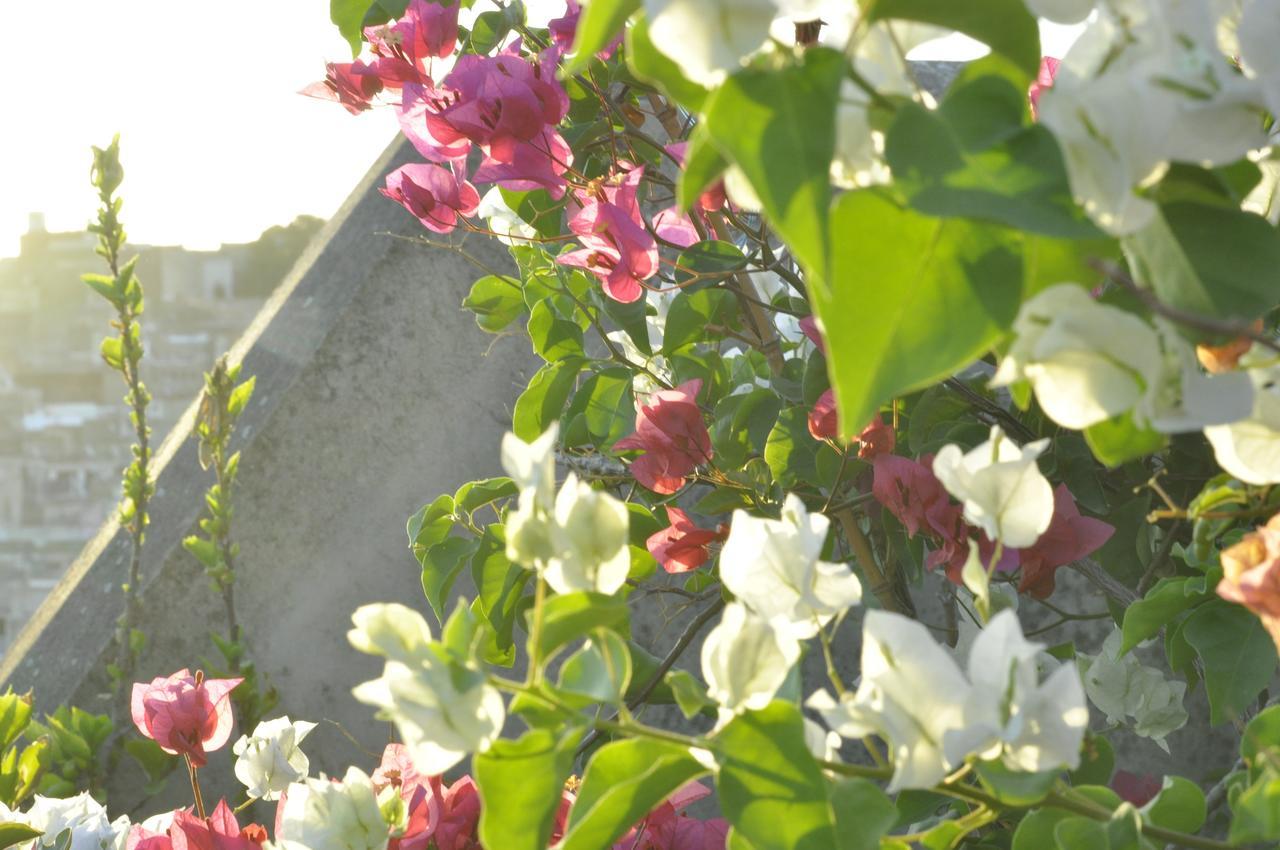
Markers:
point(375, 393)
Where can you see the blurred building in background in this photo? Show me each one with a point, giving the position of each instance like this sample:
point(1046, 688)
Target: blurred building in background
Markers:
point(64, 429)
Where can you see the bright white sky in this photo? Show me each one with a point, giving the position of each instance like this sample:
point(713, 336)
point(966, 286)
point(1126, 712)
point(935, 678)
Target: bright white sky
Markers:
point(217, 144)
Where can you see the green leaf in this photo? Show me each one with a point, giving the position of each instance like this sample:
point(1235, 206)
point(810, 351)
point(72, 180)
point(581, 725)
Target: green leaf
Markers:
point(863, 814)
point(1003, 25)
point(778, 126)
point(476, 494)
point(652, 66)
point(521, 784)
point(1036, 830)
point(431, 524)
point(600, 22)
point(240, 396)
point(910, 299)
point(598, 672)
point(691, 313)
point(441, 565)
point(348, 16)
point(1075, 832)
point(15, 715)
point(1097, 762)
point(1020, 182)
point(567, 618)
point(1209, 260)
point(1119, 440)
point(499, 585)
point(691, 695)
point(104, 285)
point(703, 165)
point(553, 336)
point(16, 833)
point(742, 425)
point(623, 782)
point(1014, 787)
point(1145, 618)
point(543, 401)
point(1261, 735)
point(489, 30)
point(771, 789)
point(496, 300)
point(790, 450)
point(112, 350)
point(1257, 810)
point(712, 258)
point(606, 404)
point(1239, 657)
point(1180, 806)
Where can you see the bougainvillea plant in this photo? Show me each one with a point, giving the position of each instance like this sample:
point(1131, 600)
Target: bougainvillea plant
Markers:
point(818, 341)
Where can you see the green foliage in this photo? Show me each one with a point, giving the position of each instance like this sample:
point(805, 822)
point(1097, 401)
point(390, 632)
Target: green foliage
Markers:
point(624, 781)
point(778, 126)
point(76, 751)
point(1238, 654)
point(521, 783)
point(910, 299)
point(1004, 25)
point(600, 22)
point(771, 789)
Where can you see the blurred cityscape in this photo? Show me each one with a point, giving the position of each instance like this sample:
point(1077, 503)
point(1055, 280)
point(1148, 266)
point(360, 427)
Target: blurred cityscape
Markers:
point(64, 429)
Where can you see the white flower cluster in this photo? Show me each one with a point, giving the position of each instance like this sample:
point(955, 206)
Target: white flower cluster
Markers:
point(1087, 362)
point(1123, 687)
point(442, 710)
point(935, 715)
point(1150, 82)
point(576, 539)
point(784, 594)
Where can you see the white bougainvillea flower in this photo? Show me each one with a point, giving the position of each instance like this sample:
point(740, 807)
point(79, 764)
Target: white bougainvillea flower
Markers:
point(1145, 85)
point(1181, 398)
point(270, 760)
point(1010, 713)
point(1249, 448)
point(1124, 687)
point(506, 224)
point(1061, 11)
point(709, 38)
point(320, 814)
point(773, 567)
point(1001, 487)
point(1086, 362)
point(442, 710)
point(745, 660)
point(82, 818)
point(912, 693)
point(532, 466)
point(391, 630)
point(589, 540)
point(1258, 35)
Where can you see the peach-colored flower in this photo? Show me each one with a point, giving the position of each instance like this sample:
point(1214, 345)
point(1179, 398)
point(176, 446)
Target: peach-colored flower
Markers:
point(1251, 575)
point(1224, 358)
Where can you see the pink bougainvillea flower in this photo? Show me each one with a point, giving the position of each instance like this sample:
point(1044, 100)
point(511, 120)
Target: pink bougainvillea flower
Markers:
point(564, 28)
point(682, 546)
point(1069, 537)
point(219, 831)
point(618, 249)
point(876, 439)
point(1044, 82)
point(675, 227)
point(673, 436)
point(667, 827)
point(809, 327)
point(434, 195)
point(537, 164)
point(417, 100)
point(1138, 789)
point(403, 49)
point(712, 199)
point(1251, 575)
point(349, 84)
point(459, 816)
point(186, 715)
point(421, 796)
point(910, 491)
point(823, 424)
